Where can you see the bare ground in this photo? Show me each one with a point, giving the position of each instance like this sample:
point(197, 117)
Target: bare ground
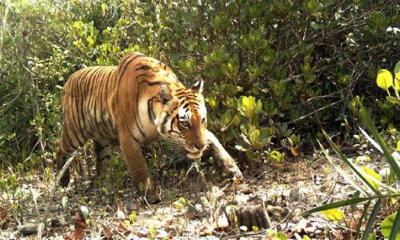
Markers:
point(195, 206)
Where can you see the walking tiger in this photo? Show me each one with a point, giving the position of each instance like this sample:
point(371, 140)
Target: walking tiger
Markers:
point(138, 102)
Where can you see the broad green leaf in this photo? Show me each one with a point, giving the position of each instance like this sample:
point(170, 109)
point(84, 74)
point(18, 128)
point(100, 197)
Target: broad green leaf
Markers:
point(152, 230)
point(384, 79)
point(133, 216)
point(393, 100)
point(387, 226)
point(398, 146)
point(371, 173)
point(274, 235)
point(255, 228)
point(248, 106)
point(333, 214)
point(280, 236)
point(182, 201)
point(397, 81)
point(276, 156)
point(253, 136)
point(179, 206)
point(90, 41)
point(397, 68)
point(258, 106)
point(372, 236)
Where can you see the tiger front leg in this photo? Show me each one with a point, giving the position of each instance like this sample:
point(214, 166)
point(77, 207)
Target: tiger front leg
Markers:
point(219, 152)
point(137, 167)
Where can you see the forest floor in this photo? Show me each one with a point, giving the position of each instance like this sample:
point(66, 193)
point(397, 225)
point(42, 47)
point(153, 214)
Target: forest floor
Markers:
point(191, 207)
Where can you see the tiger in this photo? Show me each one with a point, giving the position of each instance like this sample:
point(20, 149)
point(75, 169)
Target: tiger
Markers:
point(136, 103)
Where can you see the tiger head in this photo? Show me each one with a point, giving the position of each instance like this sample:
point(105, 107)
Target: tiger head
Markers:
point(184, 119)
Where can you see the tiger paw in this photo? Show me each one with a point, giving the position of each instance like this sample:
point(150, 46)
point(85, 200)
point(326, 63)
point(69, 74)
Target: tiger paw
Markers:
point(152, 197)
point(235, 172)
point(151, 194)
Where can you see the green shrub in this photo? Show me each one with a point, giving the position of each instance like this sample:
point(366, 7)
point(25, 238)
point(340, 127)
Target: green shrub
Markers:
point(300, 61)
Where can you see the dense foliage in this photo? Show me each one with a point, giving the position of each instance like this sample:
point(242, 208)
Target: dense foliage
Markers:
point(275, 71)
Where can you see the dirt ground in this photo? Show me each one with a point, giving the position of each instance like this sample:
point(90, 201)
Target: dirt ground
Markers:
point(192, 207)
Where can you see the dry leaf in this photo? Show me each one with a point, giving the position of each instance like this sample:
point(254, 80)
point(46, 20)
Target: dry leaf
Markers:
point(222, 222)
point(120, 210)
point(294, 151)
point(355, 219)
point(120, 227)
point(107, 232)
point(80, 226)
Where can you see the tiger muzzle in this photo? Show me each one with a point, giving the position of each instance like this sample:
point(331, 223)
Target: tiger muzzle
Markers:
point(194, 153)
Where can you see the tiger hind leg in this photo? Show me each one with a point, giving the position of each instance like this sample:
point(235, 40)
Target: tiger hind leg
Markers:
point(66, 146)
point(102, 154)
point(63, 150)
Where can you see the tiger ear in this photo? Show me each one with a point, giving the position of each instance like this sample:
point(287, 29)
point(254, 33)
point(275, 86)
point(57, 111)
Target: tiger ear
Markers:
point(198, 86)
point(165, 93)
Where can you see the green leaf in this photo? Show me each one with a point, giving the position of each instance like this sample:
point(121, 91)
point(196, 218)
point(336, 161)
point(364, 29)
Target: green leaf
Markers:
point(397, 68)
point(255, 228)
point(388, 226)
point(366, 119)
point(274, 235)
point(384, 79)
point(341, 171)
point(349, 163)
point(333, 214)
point(276, 156)
point(133, 216)
point(361, 219)
point(336, 204)
point(372, 219)
point(372, 236)
point(397, 81)
point(253, 136)
point(248, 106)
point(392, 99)
point(371, 173)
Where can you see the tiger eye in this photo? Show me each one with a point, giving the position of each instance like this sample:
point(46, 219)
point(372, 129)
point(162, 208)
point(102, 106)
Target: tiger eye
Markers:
point(184, 124)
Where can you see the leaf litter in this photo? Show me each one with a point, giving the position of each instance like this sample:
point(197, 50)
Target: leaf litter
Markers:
point(277, 194)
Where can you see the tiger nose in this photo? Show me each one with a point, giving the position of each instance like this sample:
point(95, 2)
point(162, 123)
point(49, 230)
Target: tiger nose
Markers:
point(200, 146)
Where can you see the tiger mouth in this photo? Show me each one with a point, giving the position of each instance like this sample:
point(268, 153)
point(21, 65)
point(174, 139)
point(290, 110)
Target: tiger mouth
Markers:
point(193, 154)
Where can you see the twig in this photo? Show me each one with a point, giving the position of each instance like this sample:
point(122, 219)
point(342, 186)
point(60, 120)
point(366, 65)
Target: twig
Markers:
point(35, 202)
point(55, 184)
point(313, 112)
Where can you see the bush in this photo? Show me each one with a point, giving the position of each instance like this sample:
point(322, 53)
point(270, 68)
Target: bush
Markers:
point(275, 71)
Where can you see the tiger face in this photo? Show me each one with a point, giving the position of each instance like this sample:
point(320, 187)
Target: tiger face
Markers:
point(185, 120)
